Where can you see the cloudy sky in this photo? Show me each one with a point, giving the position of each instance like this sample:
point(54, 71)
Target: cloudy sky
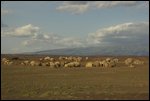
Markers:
point(33, 25)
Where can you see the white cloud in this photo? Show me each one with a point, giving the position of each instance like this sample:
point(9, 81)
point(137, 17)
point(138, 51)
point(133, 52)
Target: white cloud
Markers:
point(69, 42)
point(51, 40)
point(35, 36)
point(46, 36)
point(75, 7)
point(122, 33)
point(24, 31)
point(133, 32)
point(106, 4)
point(25, 43)
point(27, 30)
point(79, 7)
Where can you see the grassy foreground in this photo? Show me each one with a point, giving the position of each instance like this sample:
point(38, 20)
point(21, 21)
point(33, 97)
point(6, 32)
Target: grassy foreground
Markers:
point(74, 83)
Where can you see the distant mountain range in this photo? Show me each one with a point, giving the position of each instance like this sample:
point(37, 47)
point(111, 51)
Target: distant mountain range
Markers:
point(114, 50)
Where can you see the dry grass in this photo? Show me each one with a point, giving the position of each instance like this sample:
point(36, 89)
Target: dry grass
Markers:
point(75, 83)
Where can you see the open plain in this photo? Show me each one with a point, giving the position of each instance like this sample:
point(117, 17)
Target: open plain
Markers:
point(43, 82)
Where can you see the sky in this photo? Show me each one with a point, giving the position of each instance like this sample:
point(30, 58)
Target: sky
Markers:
point(29, 26)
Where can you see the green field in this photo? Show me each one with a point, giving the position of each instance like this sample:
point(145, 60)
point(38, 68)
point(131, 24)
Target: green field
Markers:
point(74, 83)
